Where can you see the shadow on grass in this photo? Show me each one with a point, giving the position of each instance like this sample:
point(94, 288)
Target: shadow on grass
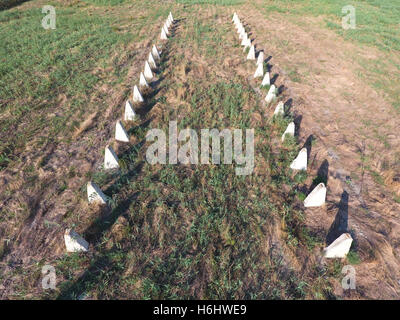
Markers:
point(340, 225)
point(297, 121)
point(8, 4)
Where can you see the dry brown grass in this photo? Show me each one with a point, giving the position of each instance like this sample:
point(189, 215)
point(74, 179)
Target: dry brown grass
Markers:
point(85, 125)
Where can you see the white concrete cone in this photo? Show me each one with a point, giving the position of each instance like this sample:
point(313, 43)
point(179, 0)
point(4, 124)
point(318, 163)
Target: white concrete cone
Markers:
point(252, 53)
point(120, 132)
point(163, 34)
point(95, 194)
point(235, 16)
point(289, 131)
point(169, 21)
point(74, 242)
point(152, 62)
point(271, 95)
point(247, 43)
point(166, 29)
point(137, 96)
point(244, 39)
point(340, 247)
point(242, 34)
point(317, 197)
point(260, 58)
point(259, 71)
point(155, 52)
point(171, 17)
point(148, 74)
point(280, 109)
point(300, 163)
point(110, 158)
point(167, 24)
point(129, 114)
point(142, 81)
point(266, 81)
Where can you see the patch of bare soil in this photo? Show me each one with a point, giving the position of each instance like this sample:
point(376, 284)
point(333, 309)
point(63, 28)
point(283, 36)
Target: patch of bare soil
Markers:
point(346, 119)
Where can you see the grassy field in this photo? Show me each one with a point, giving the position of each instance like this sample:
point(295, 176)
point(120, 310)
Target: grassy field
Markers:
point(46, 84)
point(376, 62)
point(171, 231)
point(198, 224)
point(376, 26)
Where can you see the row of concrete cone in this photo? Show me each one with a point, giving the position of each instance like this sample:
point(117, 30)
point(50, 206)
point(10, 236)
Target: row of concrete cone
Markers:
point(165, 28)
point(251, 55)
point(341, 246)
point(73, 241)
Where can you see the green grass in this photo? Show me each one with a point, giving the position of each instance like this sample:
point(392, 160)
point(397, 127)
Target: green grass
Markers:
point(376, 21)
point(211, 2)
point(173, 231)
point(200, 218)
point(377, 25)
point(106, 2)
point(5, 4)
point(294, 75)
point(353, 257)
point(55, 64)
point(195, 231)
